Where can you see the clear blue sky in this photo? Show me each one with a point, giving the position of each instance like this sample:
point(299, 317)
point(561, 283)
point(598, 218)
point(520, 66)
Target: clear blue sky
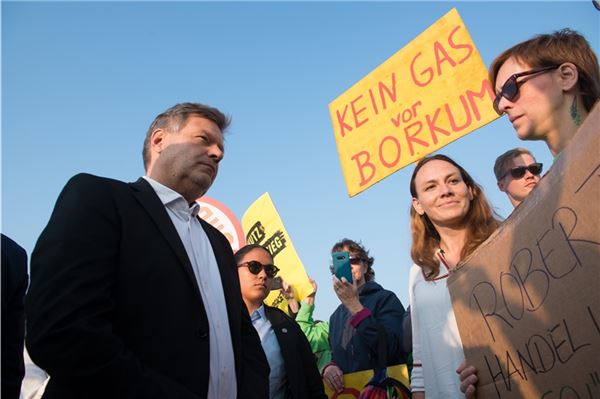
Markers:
point(81, 82)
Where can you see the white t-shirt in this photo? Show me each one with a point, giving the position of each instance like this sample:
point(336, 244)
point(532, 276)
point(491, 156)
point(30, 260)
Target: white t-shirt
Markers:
point(437, 348)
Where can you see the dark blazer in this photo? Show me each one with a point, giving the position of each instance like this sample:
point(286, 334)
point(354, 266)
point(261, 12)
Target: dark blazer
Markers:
point(14, 285)
point(114, 310)
point(304, 380)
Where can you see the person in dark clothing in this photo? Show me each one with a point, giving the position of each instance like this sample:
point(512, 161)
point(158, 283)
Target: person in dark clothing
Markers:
point(14, 285)
point(368, 316)
point(132, 295)
point(294, 373)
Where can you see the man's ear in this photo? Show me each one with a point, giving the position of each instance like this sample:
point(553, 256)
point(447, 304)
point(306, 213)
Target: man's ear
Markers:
point(417, 205)
point(569, 76)
point(501, 186)
point(157, 140)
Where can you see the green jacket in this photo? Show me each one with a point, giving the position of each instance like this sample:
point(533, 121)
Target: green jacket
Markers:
point(317, 334)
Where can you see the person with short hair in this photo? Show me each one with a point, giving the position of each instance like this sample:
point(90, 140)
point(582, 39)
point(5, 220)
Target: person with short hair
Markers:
point(294, 372)
point(517, 173)
point(547, 86)
point(134, 296)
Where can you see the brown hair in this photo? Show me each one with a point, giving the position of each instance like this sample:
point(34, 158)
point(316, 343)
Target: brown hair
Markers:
point(175, 118)
point(562, 46)
point(480, 222)
point(504, 160)
point(360, 251)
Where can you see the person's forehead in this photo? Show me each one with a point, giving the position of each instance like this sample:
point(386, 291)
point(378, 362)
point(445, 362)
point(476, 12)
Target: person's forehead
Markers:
point(257, 254)
point(435, 169)
point(510, 67)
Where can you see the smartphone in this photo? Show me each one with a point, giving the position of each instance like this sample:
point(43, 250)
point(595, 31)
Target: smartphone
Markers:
point(276, 284)
point(341, 265)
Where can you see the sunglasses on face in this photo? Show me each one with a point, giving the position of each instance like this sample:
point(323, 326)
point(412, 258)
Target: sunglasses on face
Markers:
point(255, 267)
point(510, 88)
point(518, 172)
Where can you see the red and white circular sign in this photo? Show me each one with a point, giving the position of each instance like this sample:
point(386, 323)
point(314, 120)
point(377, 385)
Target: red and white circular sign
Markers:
point(221, 218)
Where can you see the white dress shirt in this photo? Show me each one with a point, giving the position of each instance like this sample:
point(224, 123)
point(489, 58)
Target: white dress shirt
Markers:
point(268, 340)
point(222, 377)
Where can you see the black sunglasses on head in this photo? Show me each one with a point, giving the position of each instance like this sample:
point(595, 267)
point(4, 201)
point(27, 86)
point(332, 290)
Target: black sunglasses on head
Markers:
point(510, 88)
point(255, 267)
point(518, 172)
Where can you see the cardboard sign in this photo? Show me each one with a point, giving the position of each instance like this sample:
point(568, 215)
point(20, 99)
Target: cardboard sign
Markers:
point(354, 383)
point(527, 302)
point(425, 96)
point(263, 226)
point(221, 218)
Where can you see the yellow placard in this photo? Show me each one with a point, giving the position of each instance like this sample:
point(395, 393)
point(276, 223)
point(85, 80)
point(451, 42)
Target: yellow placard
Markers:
point(430, 93)
point(262, 225)
point(354, 383)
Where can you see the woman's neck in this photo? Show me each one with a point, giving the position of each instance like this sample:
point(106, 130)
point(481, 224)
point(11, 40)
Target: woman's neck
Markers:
point(560, 138)
point(452, 242)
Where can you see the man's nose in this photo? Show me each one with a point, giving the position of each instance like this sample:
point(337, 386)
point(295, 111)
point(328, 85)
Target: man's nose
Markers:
point(215, 152)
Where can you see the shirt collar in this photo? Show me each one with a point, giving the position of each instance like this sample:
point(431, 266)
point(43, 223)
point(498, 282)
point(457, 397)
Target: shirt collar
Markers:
point(259, 313)
point(172, 199)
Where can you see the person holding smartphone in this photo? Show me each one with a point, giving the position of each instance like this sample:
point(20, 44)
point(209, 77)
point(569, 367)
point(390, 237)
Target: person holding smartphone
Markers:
point(366, 323)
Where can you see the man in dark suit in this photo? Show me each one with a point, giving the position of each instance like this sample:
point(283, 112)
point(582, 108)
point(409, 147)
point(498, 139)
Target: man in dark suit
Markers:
point(132, 295)
point(14, 285)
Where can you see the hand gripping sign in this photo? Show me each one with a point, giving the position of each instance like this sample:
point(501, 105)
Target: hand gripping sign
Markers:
point(221, 218)
point(263, 226)
point(430, 93)
point(527, 301)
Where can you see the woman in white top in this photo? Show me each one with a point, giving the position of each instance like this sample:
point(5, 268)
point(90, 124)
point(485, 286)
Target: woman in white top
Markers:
point(450, 217)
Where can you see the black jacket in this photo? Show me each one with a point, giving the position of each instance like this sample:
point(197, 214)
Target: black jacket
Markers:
point(114, 309)
point(304, 380)
point(14, 285)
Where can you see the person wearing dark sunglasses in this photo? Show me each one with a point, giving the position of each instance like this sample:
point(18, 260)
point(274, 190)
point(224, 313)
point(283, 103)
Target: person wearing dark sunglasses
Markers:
point(517, 173)
point(547, 86)
point(366, 323)
point(294, 373)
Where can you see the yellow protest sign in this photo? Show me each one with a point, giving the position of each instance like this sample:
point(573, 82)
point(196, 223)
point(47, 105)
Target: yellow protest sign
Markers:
point(430, 93)
point(262, 225)
point(354, 383)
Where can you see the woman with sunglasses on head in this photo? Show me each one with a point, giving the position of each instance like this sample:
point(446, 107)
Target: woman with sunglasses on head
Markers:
point(366, 323)
point(450, 217)
point(294, 372)
point(547, 86)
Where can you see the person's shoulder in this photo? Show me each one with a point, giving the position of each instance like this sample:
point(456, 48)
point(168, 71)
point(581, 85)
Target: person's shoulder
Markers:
point(415, 273)
point(275, 312)
point(90, 180)
point(279, 318)
point(385, 295)
point(10, 246)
